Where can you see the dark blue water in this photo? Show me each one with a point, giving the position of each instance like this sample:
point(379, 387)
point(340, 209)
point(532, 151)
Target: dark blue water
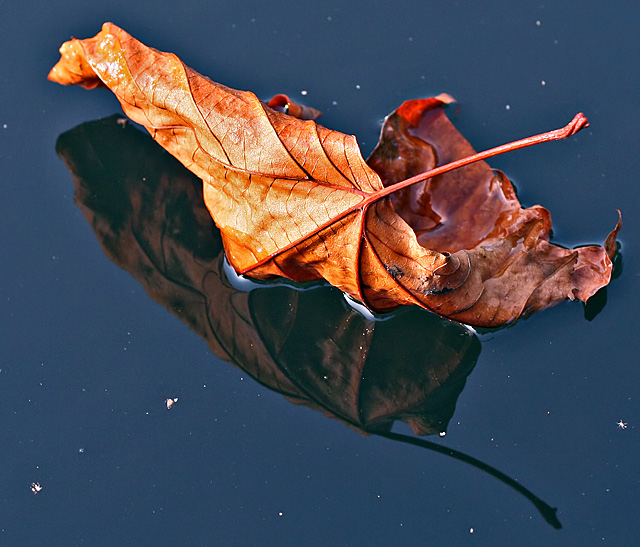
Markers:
point(110, 305)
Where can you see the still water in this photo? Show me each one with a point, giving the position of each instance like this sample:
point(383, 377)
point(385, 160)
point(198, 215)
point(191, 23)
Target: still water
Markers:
point(116, 298)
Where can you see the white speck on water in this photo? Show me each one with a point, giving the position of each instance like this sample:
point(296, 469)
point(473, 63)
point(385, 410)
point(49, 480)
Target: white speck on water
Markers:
point(357, 86)
point(4, 126)
point(508, 107)
point(543, 82)
point(303, 92)
point(538, 23)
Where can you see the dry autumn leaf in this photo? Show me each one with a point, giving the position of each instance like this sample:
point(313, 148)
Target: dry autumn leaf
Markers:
point(297, 200)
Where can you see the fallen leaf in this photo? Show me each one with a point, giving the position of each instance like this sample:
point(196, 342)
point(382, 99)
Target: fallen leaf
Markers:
point(296, 200)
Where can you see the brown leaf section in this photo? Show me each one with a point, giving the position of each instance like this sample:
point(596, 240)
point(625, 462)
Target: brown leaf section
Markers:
point(475, 208)
point(297, 200)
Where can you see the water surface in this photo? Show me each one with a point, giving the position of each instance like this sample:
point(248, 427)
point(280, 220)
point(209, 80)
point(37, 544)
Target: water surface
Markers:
point(92, 348)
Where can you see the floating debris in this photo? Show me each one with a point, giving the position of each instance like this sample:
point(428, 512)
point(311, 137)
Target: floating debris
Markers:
point(170, 402)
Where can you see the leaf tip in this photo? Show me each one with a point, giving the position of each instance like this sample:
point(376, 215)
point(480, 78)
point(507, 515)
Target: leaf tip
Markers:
point(579, 122)
point(282, 103)
point(610, 243)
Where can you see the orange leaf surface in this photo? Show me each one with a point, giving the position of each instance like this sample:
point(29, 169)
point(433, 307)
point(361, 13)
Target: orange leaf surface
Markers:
point(297, 200)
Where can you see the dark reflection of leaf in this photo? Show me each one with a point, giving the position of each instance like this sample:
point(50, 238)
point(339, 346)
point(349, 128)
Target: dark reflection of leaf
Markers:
point(595, 304)
point(368, 373)
point(309, 345)
point(547, 512)
point(148, 213)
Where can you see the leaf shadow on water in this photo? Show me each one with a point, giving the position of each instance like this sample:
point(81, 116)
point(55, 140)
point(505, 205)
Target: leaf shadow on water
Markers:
point(147, 211)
